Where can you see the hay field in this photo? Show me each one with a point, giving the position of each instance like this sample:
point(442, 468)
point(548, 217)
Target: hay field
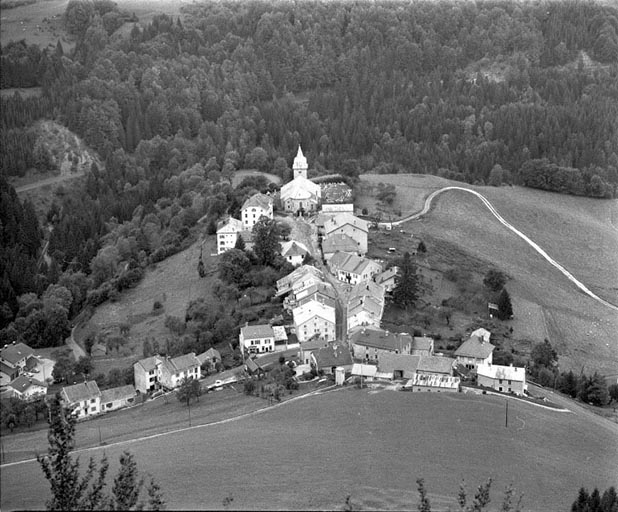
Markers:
point(577, 232)
point(312, 453)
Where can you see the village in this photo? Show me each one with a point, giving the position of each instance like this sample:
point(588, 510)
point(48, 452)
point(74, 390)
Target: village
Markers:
point(335, 304)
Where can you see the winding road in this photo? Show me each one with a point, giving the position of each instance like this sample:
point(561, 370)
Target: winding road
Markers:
point(526, 239)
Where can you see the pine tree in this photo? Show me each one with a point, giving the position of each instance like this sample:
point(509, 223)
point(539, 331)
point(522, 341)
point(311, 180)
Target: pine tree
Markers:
point(405, 293)
point(505, 308)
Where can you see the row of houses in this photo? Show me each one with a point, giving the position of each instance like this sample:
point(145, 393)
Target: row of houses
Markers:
point(86, 400)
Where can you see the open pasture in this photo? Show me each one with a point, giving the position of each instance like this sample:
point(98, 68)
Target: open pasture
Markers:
point(576, 232)
point(312, 453)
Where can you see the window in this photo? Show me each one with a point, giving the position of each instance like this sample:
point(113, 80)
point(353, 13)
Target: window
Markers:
point(509, 382)
point(93, 400)
point(500, 388)
point(500, 381)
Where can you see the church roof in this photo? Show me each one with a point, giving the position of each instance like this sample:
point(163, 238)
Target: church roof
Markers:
point(300, 188)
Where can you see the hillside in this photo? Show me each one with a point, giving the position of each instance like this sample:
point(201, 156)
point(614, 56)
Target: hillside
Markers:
point(579, 233)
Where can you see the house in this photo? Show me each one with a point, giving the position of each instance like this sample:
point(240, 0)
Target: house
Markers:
point(422, 346)
point(211, 357)
point(398, 366)
point(364, 311)
point(117, 398)
point(508, 379)
point(302, 277)
point(482, 333)
point(338, 242)
point(14, 360)
point(435, 365)
point(328, 358)
point(314, 318)
point(172, 371)
point(387, 279)
point(350, 225)
point(83, 398)
point(257, 338)
point(26, 388)
point(353, 269)
point(294, 252)
point(370, 343)
point(257, 206)
point(227, 233)
point(308, 347)
point(253, 367)
point(322, 292)
point(439, 383)
point(475, 350)
point(281, 337)
point(146, 374)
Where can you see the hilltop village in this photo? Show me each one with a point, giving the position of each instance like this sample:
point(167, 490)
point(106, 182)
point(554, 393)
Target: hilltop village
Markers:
point(334, 305)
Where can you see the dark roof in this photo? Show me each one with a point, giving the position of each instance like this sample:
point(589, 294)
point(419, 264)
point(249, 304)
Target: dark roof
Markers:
point(405, 363)
point(250, 332)
point(15, 353)
point(475, 347)
point(339, 242)
point(22, 383)
point(333, 355)
point(150, 363)
point(436, 364)
point(183, 362)
point(8, 370)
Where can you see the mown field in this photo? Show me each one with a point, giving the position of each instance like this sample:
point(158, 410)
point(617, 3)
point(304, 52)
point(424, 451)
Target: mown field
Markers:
point(312, 453)
point(579, 233)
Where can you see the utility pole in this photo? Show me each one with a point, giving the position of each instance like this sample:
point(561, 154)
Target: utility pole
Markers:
point(189, 404)
point(100, 441)
point(506, 414)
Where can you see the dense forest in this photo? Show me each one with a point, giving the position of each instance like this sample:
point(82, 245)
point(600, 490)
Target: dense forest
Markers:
point(485, 92)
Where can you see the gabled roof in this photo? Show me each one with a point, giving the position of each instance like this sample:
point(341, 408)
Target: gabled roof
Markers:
point(422, 343)
point(293, 248)
point(119, 393)
point(181, 363)
point(366, 370)
point(389, 363)
point(310, 309)
point(251, 332)
point(325, 289)
point(80, 392)
point(481, 333)
point(495, 371)
point(15, 353)
point(327, 301)
point(229, 225)
point(286, 283)
point(149, 363)
point(279, 333)
point(378, 338)
point(335, 354)
point(369, 304)
point(258, 200)
point(210, 355)
point(351, 263)
point(387, 275)
point(436, 364)
point(22, 383)
point(252, 365)
point(339, 242)
point(342, 219)
point(6, 369)
point(368, 289)
point(313, 344)
point(475, 347)
point(300, 188)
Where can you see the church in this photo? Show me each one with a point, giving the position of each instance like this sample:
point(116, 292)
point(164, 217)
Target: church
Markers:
point(300, 195)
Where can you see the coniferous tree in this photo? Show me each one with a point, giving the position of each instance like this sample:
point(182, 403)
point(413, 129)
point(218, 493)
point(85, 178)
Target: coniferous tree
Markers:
point(405, 293)
point(505, 308)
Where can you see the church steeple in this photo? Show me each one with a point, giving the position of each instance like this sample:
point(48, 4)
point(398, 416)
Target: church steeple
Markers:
point(300, 164)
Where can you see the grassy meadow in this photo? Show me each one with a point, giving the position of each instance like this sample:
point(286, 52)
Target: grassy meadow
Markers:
point(312, 453)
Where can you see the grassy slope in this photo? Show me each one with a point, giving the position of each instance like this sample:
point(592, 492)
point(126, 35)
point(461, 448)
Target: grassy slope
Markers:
point(580, 233)
point(312, 453)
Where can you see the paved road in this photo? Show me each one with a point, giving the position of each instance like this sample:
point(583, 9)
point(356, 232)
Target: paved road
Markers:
point(509, 226)
point(72, 344)
point(47, 181)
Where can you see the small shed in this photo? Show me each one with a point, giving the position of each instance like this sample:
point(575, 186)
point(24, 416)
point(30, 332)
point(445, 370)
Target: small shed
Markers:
point(339, 375)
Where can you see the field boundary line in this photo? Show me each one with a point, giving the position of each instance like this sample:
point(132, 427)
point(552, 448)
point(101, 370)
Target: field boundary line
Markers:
point(509, 226)
point(184, 429)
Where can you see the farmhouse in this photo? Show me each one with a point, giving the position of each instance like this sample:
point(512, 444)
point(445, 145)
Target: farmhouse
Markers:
point(26, 388)
point(294, 252)
point(227, 234)
point(398, 366)
point(257, 206)
point(308, 347)
point(422, 346)
point(435, 365)
point(387, 279)
point(257, 338)
point(303, 277)
point(210, 358)
point(84, 398)
point(350, 225)
point(322, 292)
point(338, 242)
point(328, 358)
point(117, 398)
point(172, 371)
point(509, 379)
point(14, 359)
point(364, 311)
point(370, 343)
point(314, 318)
point(474, 351)
point(353, 269)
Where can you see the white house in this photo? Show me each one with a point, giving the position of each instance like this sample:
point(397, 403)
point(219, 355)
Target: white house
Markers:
point(257, 338)
point(172, 371)
point(294, 252)
point(227, 234)
point(83, 398)
point(254, 208)
point(314, 318)
point(364, 311)
point(353, 269)
point(387, 278)
point(302, 277)
point(146, 374)
point(508, 379)
point(26, 388)
point(350, 225)
point(474, 351)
